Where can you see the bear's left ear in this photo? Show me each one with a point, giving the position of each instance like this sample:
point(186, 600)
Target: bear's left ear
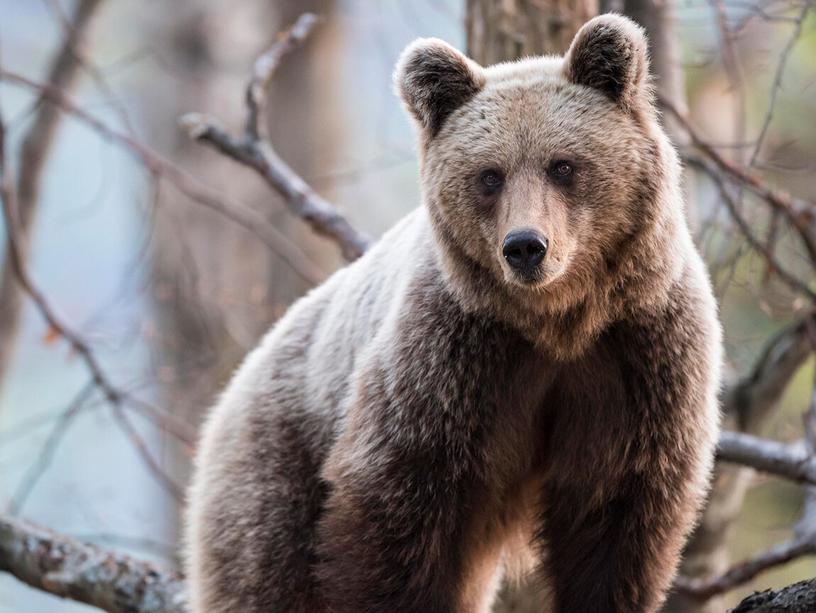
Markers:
point(610, 53)
point(434, 79)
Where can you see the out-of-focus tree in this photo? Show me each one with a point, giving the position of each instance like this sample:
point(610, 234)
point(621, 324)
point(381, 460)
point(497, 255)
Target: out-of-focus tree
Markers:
point(500, 31)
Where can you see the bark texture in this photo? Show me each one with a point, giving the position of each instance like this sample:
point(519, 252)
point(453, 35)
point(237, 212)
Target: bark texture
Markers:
point(797, 598)
point(502, 30)
point(70, 569)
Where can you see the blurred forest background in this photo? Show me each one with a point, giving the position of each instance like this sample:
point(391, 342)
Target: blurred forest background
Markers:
point(159, 261)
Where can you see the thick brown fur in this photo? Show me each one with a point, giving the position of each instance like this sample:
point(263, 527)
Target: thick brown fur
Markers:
point(427, 421)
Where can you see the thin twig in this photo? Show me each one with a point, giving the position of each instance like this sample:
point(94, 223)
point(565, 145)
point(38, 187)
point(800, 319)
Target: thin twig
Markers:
point(795, 462)
point(35, 148)
point(157, 165)
point(46, 453)
point(806, 526)
point(798, 212)
point(743, 572)
point(99, 378)
point(777, 81)
point(143, 451)
point(745, 228)
point(264, 70)
point(87, 65)
point(751, 399)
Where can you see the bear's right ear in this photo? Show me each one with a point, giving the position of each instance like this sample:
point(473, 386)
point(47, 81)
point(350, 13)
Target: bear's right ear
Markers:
point(434, 79)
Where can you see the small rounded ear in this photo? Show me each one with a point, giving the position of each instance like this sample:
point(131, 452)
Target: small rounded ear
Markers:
point(610, 53)
point(434, 79)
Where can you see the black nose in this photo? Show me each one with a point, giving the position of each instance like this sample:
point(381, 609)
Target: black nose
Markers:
point(524, 249)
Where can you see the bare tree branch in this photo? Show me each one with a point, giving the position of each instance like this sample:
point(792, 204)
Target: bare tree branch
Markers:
point(117, 583)
point(70, 569)
point(797, 598)
point(113, 394)
point(747, 404)
point(34, 153)
point(254, 151)
point(791, 461)
point(89, 67)
point(777, 80)
point(797, 462)
point(264, 70)
point(798, 212)
point(46, 454)
point(743, 572)
point(751, 398)
point(745, 228)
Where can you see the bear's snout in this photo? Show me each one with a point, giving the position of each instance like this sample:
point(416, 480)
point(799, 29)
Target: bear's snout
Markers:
point(524, 250)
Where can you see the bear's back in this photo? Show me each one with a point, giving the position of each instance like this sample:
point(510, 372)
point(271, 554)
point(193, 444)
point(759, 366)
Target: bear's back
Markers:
point(307, 359)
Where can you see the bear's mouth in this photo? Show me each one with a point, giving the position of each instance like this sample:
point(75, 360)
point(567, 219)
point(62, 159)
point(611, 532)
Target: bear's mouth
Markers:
point(528, 279)
point(535, 278)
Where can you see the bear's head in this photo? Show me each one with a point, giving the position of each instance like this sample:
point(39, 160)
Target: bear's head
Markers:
point(551, 188)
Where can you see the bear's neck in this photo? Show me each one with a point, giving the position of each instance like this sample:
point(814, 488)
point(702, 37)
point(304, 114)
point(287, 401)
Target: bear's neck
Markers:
point(566, 318)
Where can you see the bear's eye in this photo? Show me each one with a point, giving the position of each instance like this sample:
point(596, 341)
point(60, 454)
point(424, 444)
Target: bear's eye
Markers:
point(492, 180)
point(561, 171)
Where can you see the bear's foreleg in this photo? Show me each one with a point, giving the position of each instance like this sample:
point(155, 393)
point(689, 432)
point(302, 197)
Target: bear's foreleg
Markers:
point(391, 535)
point(616, 556)
point(634, 449)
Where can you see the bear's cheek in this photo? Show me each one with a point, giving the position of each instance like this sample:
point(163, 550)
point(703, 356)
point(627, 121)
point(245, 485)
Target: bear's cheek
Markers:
point(469, 220)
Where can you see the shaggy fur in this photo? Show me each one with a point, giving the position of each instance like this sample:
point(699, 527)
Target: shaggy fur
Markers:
point(426, 420)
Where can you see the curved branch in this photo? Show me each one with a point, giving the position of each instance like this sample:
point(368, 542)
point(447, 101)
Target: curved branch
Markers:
point(35, 150)
point(256, 152)
point(99, 377)
point(743, 572)
point(745, 228)
point(792, 598)
point(754, 396)
point(799, 213)
point(302, 200)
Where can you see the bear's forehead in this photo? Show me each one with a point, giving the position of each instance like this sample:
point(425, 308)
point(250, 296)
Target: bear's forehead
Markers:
point(545, 100)
point(537, 113)
point(528, 112)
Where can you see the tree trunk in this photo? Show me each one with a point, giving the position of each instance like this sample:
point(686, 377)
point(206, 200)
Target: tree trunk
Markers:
point(503, 30)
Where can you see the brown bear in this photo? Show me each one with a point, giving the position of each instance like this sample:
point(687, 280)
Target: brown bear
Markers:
point(520, 376)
